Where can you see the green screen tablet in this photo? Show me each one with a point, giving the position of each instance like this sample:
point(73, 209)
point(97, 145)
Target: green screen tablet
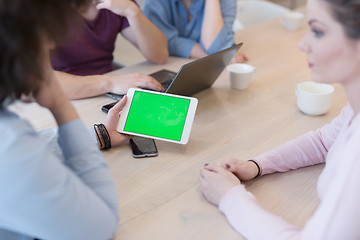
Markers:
point(157, 115)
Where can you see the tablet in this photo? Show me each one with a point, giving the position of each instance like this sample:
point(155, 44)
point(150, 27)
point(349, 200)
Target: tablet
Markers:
point(158, 115)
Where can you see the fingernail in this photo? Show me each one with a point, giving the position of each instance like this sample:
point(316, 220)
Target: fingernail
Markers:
point(206, 164)
point(227, 166)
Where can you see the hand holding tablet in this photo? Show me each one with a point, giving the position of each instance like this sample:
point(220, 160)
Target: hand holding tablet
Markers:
point(158, 115)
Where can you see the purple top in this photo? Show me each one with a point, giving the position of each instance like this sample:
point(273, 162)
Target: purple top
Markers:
point(91, 51)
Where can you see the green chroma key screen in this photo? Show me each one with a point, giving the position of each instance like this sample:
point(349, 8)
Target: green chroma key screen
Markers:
point(157, 115)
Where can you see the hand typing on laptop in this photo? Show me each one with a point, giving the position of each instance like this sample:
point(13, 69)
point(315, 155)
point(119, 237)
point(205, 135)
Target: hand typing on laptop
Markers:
point(195, 76)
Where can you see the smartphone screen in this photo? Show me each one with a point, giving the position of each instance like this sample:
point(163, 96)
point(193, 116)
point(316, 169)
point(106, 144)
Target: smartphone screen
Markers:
point(143, 147)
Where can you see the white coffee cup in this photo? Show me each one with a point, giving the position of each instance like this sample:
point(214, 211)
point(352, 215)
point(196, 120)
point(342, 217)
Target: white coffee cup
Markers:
point(314, 98)
point(292, 20)
point(240, 75)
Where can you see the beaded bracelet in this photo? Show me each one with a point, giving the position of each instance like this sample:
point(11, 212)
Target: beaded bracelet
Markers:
point(258, 166)
point(105, 137)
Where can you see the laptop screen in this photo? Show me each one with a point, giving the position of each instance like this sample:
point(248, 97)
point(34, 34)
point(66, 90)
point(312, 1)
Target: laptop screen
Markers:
point(201, 74)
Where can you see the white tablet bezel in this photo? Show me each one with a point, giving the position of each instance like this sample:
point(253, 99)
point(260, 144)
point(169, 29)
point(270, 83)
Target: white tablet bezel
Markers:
point(188, 121)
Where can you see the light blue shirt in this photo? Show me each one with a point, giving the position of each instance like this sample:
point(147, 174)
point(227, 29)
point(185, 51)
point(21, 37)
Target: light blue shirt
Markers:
point(43, 197)
point(170, 16)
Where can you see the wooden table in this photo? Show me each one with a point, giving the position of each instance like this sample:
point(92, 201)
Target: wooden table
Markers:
point(160, 197)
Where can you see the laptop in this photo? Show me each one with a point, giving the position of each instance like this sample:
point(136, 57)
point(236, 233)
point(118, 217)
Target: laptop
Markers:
point(194, 76)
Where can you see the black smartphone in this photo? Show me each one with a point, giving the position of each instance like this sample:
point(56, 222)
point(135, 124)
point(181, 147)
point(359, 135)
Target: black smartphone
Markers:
point(107, 107)
point(143, 147)
point(115, 96)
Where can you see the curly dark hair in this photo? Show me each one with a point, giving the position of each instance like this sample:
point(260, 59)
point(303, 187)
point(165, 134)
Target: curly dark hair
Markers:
point(24, 24)
point(347, 13)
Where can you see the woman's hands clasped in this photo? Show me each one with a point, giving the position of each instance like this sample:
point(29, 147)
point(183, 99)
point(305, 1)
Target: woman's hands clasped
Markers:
point(217, 179)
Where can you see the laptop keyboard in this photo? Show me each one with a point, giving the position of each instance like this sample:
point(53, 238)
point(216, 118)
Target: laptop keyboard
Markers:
point(166, 83)
point(165, 77)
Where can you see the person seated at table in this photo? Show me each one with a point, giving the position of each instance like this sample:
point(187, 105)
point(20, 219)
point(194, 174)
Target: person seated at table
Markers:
point(85, 55)
point(195, 29)
point(332, 46)
point(41, 196)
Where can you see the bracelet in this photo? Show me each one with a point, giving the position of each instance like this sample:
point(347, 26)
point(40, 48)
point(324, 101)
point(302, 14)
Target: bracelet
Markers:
point(97, 137)
point(105, 137)
point(258, 166)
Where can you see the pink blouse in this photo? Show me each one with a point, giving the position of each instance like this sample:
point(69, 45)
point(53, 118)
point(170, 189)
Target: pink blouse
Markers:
point(338, 215)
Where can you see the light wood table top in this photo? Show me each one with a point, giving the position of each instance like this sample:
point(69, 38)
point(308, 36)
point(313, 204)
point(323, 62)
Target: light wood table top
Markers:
point(160, 197)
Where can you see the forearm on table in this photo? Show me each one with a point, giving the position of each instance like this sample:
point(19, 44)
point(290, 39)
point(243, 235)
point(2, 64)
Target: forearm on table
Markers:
point(212, 22)
point(77, 87)
point(147, 37)
point(303, 151)
point(246, 216)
